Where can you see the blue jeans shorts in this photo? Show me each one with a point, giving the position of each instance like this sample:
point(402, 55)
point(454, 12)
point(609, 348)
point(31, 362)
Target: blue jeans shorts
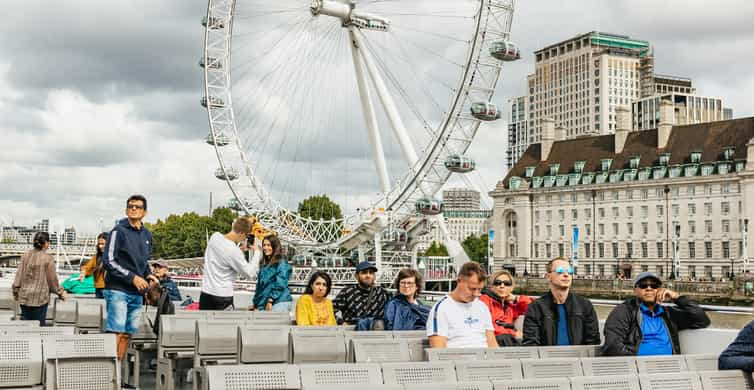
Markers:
point(123, 311)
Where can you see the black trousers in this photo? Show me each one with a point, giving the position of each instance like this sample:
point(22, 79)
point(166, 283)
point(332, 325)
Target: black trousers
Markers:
point(38, 313)
point(212, 302)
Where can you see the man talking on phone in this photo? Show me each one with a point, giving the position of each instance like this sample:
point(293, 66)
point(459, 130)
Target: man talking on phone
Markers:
point(223, 261)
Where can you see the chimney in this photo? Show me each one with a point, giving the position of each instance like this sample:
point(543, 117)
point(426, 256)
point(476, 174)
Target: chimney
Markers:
point(622, 127)
point(667, 120)
point(750, 155)
point(548, 137)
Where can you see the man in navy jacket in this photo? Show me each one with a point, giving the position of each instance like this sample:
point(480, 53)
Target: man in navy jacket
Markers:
point(127, 251)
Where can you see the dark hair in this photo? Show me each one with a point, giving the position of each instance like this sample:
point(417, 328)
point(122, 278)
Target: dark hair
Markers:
point(137, 197)
point(277, 251)
point(40, 239)
point(409, 273)
point(310, 284)
point(549, 263)
point(102, 235)
point(472, 268)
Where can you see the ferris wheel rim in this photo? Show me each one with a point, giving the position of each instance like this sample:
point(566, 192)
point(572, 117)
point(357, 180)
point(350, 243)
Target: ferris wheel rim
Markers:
point(410, 183)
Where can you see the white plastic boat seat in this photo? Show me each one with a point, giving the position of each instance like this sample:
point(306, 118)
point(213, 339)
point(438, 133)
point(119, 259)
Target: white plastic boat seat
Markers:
point(228, 315)
point(551, 368)
point(350, 387)
point(417, 342)
point(263, 344)
point(90, 313)
point(726, 380)
point(177, 332)
point(71, 361)
point(715, 340)
point(451, 386)
point(21, 361)
point(145, 331)
point(489, 370)
point(341, 374)
point(216, 337)
point(435, 354)
point(204, 314)
point(419, 372)
point(411, 334)
point(80, 346)
point(613, 365)
point(356, 335)
point(318, 329)
point(65, 311)
point(271, 318)
point(534, 384)
point(671, 381)
point(380, 351)
point(661, 364)
point(566, 351)
point(701, 362)
point(252, 376)
point(6, 326)
point(40, 331)
point(6, 299)
point(613, 382)
point(318, 346)
point(513, 353)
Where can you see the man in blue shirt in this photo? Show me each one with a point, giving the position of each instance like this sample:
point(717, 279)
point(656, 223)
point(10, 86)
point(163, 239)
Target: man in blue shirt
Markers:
point(643, 326)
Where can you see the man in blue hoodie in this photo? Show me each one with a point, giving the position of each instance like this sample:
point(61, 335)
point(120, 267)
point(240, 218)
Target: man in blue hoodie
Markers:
point(127, 251)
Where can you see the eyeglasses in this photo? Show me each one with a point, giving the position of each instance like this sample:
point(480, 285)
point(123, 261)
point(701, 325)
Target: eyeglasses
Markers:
point(135, 207)
point(498, 283)
point(646, 285)
point(407, 284)
point(562, 270)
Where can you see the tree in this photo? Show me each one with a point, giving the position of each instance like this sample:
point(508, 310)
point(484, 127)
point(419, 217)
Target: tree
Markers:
point(436, 250)
point(319, 207)
point(476, 248)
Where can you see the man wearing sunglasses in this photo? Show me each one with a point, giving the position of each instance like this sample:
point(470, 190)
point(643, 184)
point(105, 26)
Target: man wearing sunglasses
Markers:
point(643, 326)
point(561, 317)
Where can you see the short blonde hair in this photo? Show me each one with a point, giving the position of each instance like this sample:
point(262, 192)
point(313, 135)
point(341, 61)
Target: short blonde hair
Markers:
point(242, 225)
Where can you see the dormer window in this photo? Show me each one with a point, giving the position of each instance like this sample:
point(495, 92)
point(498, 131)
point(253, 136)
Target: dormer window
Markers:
point(644, 173)
point(675, 171)
point(707, 169)
point(601, 177)
point(573, 179)
point(690, 170)
point(578, 166)
point(514, 183)
point(629, 174)
point(554, 168)
point(605, 164)
point(740, 165)
point(562, 180)
point(723, 167)
point(530, 171)
point(659, 172)
point(536, 181)
point(587, 178)
point(664, 158)
point(634, 163)
point(696, 157)
point(728, 152)
point(615, 176)
point(548, 181)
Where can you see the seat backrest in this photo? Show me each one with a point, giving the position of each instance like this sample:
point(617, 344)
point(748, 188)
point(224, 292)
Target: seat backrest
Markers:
point(263, 344)
point(318, 347)
point(65, 311)
point(618, 365)
point(177, 332)
point(317, 329)
point(271, 318)
point(534, 384)
point(701, 362)
point(145, 331)
point(489, 370)
point(715, 340)
point(216, 337)
point(379, 386)
point(252, 376)
point(451, 386)
point(356, 335)
point(513, 353)
point(40, 331)
point(660, 364)
point(6, 299)
point(90, 359)
point(551, 368)
point(197, 314)
point(409, 334)
point(228, 315)
point(419, 372)
point(614, 382)
point(340, 374)
point(726, 380)
point(674, 381)
point(88, 346)
point(435, 354)
point(21, 361)
point(566, 351)
point(379, 351)
point(416, 347)
point(90, 313)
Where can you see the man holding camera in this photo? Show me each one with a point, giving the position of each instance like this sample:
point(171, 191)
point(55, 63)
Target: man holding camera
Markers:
point(223, 261)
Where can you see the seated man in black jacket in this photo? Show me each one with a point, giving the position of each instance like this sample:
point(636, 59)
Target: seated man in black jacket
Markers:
point(643, 326)
point(561, 317)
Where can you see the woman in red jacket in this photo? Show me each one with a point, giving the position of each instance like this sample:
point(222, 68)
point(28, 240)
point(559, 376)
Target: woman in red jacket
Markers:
point(505, 307)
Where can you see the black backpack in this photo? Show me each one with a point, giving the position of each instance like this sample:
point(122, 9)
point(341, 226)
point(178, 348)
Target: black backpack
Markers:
point(164, 306)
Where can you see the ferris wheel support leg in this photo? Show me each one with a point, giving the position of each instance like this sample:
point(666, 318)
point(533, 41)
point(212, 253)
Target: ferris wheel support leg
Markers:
point(387, 101)
point(369, 115)
point(455, 249)
point(378, 255)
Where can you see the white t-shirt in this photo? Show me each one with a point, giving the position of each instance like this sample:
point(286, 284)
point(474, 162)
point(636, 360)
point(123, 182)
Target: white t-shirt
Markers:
point(464, 324)
point(223, 261)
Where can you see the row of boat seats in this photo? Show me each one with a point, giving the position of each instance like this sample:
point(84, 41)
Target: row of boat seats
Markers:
point(442, 375)
point(86, 314)
point(571, 351)
point(179, 330)
point(59, 362)
point(31, 330)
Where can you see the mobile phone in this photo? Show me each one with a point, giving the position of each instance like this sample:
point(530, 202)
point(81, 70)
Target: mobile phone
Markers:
point(250, 240)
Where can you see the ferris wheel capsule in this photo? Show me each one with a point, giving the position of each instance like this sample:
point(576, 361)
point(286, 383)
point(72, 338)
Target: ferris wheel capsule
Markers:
point(219, 140)
point(395, 236)
point(459, 163)
point(505, 51)
point(235, 205)
point(212, 63)
point(429, 206)
point(213, 22)
point(485, 111)
point(213, 102)
point(227, 174)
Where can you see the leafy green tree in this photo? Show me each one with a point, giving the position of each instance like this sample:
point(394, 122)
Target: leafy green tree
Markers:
point(476, 248)
point(436, 249)
point(319, 207)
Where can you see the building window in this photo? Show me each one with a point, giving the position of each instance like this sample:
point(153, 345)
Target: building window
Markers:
point(615, 250)
point(707, 209)
point(692, 227)
point(676, 210)
point(574, 214)
point(644, 228)
point(629, 250)
point(536, 230)
point(726, 250)
point(548, 251)
point(692, 249)
point(644, 194)
point(660, 270)
point(708, 249)
point(573, 197)
point(561, 229)
point(630, 194)
point(587, 213)
point(616, 212)
point(691, 190)
point(708, 226)
point(725, 188)
point(660, 228)
point(659, 192)
point(692, 271)
point(630, 211)
point(536, 216)
point(601, 212)
point(644, 211)
point(615, 228)
point(601, 228)
point(588, 229)
point(561, 252)
point(548, 215)
point(616, 195)
point(602, 196)
point(726, 226)
point(601, 249)
point(725, 208)
point(660, 251)
point(660, 210)
point(588, 249)
point(708, 189)
point(691, 209)
point(549, 231)
point(561, 214)
point(536, 251)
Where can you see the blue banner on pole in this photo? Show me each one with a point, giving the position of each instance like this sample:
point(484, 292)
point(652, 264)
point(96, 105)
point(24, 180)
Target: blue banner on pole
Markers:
point(575, 246)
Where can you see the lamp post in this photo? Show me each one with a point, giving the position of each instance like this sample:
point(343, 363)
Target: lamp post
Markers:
point(676, 252)
point(745, 244)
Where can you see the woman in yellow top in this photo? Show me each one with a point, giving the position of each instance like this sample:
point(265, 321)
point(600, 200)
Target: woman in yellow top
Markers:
point(313, 308)
point(95, 267)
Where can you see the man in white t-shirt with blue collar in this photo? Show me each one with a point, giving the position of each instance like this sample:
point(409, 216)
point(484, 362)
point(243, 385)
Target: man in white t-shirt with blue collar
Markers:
point(460, 320)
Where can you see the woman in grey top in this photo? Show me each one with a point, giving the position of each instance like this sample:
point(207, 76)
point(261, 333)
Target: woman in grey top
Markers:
point(35, 280)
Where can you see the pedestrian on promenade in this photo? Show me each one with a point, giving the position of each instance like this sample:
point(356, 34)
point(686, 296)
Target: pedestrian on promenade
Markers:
point(404, 311)
point(642, 325)
point(35, 280)
point(505, 307)
point(127, 252)
point(95, 267)
point(561, 317)
point(223, 261)
point(362, 305)
point(314, 308)
point(460, 320)
point(272, 293)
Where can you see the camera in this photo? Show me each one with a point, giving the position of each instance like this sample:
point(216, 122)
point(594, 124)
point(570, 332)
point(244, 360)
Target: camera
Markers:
point(250, 240)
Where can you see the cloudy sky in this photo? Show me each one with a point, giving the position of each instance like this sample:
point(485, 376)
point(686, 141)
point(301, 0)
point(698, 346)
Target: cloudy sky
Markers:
point(100, 99)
